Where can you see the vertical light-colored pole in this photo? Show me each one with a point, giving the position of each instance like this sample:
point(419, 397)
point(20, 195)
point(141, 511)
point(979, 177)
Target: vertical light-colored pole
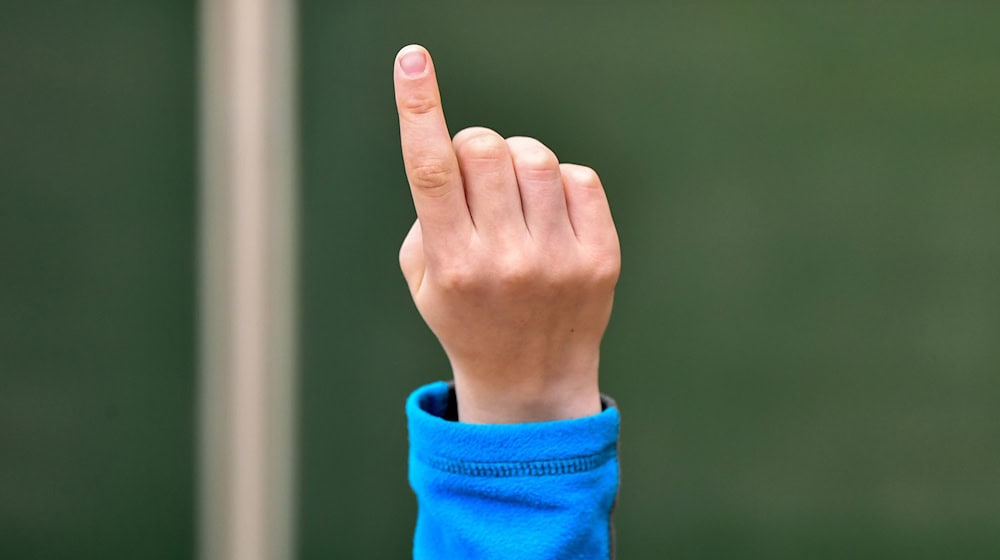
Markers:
point(247, 301)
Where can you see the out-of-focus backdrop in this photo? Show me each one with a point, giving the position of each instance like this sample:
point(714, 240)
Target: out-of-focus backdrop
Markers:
point(806, 339)
point(97, 278)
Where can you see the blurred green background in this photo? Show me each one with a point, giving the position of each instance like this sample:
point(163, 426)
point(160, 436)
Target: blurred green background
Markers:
point(97, 277)
point(806, 339)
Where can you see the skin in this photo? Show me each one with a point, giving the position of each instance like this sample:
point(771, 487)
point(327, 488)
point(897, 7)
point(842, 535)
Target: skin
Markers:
point(512, 261)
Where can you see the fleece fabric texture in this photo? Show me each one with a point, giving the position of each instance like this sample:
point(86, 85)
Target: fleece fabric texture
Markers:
point(540, 490)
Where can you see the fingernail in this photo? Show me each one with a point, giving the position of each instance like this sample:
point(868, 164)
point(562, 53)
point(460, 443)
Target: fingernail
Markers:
point(413, 63)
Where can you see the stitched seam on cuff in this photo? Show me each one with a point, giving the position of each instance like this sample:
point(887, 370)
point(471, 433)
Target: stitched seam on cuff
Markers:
point(494, 469)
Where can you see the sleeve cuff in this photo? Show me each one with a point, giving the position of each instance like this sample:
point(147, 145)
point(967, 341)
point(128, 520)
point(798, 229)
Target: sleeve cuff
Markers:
point(499, 450)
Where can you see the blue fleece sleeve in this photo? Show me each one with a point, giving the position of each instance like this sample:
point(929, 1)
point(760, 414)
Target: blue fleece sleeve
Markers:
point(539, 490)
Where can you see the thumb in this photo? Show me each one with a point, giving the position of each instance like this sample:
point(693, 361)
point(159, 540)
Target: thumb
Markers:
point(411, 258)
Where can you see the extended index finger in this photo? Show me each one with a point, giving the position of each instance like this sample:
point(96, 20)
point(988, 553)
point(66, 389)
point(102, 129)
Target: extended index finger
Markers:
point(431, 166)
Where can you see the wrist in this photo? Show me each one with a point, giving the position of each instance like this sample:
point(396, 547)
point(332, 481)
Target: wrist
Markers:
point(494, 400)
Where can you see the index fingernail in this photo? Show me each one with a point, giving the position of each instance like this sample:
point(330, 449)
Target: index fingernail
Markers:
point(413, 63)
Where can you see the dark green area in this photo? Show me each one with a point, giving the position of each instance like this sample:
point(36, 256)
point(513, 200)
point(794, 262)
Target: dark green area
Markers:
point(97, 206)
point(805, 341)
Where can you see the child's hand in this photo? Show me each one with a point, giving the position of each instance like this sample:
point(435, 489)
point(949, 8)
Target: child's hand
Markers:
point(512, 262)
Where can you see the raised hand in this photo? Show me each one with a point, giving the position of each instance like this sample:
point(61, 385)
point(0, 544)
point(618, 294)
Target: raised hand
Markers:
point(512, 261)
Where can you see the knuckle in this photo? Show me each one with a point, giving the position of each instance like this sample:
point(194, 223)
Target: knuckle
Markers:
point(604, 272)
point(419, 104)
point(466, 133)
point(538, 162)
point(456, 279)
point(583, 176)
point(430, 177)
point(516, 272)
point(486, 145)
